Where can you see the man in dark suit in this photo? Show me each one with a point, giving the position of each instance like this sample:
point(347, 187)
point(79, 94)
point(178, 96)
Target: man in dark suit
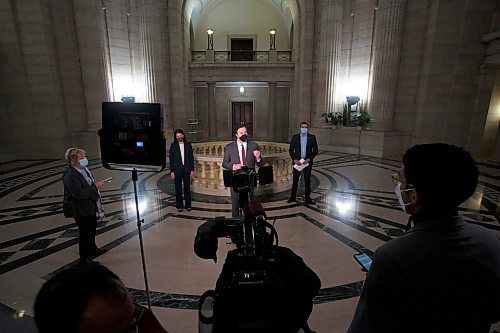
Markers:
point(303, 149)
point(240, 153)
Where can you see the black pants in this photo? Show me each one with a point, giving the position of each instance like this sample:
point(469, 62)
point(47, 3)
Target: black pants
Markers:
point(307, 181)
point(86, 240)
point(180, 177)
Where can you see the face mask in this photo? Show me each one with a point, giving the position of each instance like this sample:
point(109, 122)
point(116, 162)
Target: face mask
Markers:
point(304, 130)
point(84, 162)
point(243, 138)
point(180, 139)
point(398, 191)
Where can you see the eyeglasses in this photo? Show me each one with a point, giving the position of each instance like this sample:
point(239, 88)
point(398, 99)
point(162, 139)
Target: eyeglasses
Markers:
point(134, 324)
point(396, 178)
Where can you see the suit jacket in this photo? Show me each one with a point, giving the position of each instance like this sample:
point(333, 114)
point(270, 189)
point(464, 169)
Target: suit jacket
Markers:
point(443, 275)
point(176, 159)
point(80, 198)
point(232, 157)
point(311, 148)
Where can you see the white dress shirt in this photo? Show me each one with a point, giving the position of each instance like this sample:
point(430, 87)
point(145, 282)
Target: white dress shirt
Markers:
point(181, 146)
point(239, 144)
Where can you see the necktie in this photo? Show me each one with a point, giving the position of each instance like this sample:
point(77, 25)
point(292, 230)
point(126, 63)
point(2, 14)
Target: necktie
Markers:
point(243, 155)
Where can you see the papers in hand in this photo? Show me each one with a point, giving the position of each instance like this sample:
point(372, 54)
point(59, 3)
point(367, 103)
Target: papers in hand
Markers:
point(301, 166)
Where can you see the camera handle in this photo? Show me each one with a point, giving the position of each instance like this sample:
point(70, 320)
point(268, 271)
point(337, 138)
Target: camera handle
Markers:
point(141, 243)
point(248, 231)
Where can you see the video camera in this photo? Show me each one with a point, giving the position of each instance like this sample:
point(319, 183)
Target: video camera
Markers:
point(252, 234)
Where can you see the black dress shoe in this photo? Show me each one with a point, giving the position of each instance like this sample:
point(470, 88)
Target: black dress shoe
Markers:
point(179, 210)
point(97, 251)
point(188, 209)
point(291, 200)
point(310, 202)
point(88, 261)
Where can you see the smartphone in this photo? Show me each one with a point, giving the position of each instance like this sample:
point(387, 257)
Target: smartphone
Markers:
point(107, 180)
point(364, 260)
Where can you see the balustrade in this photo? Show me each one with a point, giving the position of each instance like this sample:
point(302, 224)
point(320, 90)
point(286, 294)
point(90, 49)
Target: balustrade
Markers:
point(234, 56)
point(209, 179)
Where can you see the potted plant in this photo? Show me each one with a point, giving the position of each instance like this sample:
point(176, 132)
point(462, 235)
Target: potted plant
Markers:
point(363, 118)
point(335, 118)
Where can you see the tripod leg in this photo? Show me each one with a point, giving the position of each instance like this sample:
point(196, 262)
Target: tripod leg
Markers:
point(139, 227)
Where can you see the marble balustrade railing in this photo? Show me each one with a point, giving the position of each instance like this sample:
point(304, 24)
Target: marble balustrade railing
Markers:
point(208, 177)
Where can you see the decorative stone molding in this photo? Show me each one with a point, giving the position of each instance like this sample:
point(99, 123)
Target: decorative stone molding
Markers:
point(208, 177)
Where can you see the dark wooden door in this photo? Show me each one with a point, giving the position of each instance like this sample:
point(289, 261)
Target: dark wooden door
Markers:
point(241, 49)
point(243, 114)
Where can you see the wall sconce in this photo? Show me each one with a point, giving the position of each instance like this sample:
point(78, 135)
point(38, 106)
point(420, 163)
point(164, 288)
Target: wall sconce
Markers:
point(242, 90)
point(210, 35)
point(272, 39)
point(128, 99)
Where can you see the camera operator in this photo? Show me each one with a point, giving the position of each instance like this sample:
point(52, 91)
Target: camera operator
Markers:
point(242, 152)
point(443, 275)
point(90, 298)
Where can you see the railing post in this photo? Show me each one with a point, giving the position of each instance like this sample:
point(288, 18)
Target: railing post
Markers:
point(221, 176)
point(273, 56)
point(203, 174)
point(210, 55)
point(213, 182)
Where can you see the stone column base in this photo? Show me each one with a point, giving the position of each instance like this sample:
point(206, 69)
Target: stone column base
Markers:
point(386, 144)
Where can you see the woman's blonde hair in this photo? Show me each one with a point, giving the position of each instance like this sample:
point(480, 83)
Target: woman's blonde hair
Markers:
point(71, 154)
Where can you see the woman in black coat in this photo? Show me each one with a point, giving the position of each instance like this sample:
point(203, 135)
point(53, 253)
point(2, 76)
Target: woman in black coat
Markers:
point(82, 201)
point(181, 169)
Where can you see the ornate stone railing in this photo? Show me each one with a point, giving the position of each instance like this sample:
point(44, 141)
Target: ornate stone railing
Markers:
point(228, 56)
point(208, 168)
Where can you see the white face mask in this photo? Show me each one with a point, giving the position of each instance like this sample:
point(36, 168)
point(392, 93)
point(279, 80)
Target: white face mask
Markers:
point(398, 191)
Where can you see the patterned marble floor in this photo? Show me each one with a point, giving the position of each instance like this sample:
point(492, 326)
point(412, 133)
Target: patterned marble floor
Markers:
point(357, 211)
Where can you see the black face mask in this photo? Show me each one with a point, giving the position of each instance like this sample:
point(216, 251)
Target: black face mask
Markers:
point(243, 138)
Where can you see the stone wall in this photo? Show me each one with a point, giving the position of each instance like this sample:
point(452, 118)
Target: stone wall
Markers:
point(60, 59)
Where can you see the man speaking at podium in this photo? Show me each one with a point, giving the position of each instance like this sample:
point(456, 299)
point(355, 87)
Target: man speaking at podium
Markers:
point(241, 153)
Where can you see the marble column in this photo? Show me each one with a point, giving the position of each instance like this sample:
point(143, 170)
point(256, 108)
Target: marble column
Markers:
point(495, 155)
point(212, 116)
point(91, 32)
point(151, 52)
point(272, 111)
point(386, 59)
point(329, 48)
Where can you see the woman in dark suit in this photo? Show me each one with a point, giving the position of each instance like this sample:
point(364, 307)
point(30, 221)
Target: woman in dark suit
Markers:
point(181, 168)
point(82, 201)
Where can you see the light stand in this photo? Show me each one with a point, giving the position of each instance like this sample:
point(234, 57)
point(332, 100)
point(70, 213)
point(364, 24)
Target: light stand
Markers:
point(141, 243)
point(132, 139)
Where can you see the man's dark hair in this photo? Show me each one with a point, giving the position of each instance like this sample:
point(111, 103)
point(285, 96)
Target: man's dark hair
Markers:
point(237, 127)
point(443, 175)
point(179, 131)
point(304, 122)
point(63, 299)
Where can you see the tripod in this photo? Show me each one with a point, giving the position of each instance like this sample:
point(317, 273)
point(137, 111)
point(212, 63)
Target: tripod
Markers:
point(141, 243)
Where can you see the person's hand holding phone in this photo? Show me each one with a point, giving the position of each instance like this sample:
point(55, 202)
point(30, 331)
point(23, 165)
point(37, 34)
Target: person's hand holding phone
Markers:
point(364, 260)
